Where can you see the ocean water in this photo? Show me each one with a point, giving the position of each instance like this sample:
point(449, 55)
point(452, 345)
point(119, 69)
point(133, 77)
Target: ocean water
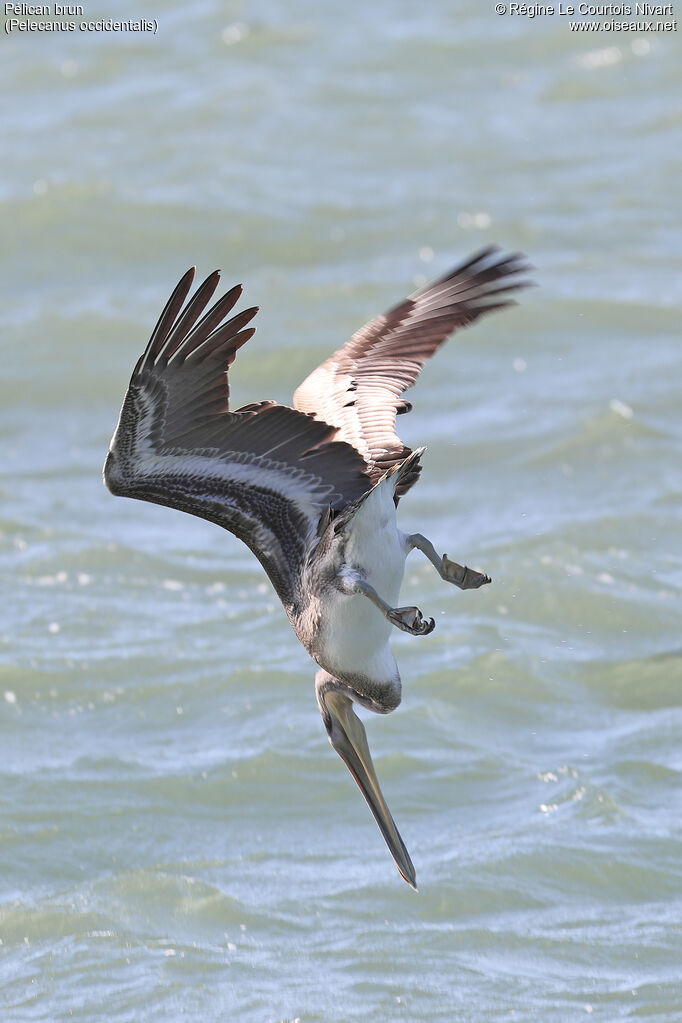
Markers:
point(177, 839)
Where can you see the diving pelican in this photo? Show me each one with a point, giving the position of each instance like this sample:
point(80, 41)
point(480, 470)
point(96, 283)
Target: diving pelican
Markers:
point(311, 490)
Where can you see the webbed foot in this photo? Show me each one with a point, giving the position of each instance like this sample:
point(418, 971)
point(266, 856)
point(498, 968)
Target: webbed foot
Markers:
point(460, 575)
point(410, 619)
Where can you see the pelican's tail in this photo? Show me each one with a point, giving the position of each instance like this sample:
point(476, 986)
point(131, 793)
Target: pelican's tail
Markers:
point(391, 486)
point(404, 474)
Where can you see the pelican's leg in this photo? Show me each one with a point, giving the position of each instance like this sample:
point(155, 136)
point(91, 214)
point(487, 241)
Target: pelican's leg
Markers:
point(460, 575)
point(409, 619)
point(347, 736)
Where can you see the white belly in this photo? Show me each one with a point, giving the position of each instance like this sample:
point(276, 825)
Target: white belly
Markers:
point(355, 633)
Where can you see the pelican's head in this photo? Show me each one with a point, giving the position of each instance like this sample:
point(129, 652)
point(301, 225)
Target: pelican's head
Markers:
point(347, 735)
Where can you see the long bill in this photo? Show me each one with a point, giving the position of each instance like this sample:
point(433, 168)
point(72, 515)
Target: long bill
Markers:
point(347, 736)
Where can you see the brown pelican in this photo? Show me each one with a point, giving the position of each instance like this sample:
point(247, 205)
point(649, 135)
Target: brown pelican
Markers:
point(312, 490)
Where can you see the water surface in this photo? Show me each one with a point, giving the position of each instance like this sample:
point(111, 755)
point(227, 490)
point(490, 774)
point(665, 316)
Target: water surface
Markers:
point(177, 839)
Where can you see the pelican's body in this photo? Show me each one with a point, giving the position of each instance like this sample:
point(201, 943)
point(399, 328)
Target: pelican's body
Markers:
point(350, 637)
point(312, 490)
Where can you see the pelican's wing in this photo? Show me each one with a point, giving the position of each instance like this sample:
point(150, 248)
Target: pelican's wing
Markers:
point(360, 387)
point(265, 472)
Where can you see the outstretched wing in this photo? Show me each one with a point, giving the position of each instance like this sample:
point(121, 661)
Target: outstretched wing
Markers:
point(360, 387)
point(265, 472)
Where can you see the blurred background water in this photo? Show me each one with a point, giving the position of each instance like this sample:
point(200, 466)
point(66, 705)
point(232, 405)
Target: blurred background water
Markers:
point(177, 840)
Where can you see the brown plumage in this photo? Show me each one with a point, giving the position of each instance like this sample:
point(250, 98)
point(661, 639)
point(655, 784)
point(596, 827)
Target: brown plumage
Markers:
point(359, 388)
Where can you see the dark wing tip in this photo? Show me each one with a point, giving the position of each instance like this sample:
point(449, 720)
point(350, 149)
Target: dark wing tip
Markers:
point(167, 318)
point(481, 284)
point(177, 332)
point(493, 258)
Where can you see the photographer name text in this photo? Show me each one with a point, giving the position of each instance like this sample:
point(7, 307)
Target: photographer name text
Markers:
point(591, 10)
